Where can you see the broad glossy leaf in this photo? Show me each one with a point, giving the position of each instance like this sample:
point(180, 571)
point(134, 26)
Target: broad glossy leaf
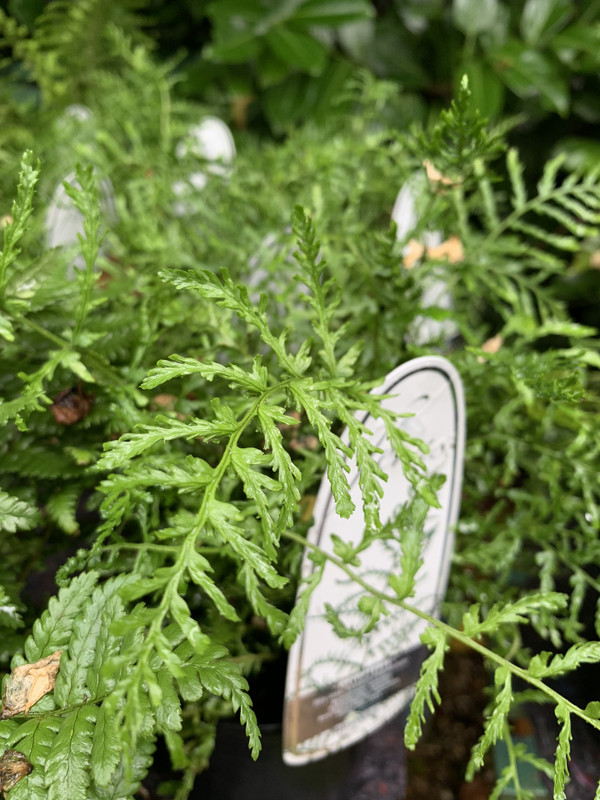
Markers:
point(542, 18)
point(301, 96)
point(475, 16)
point(332, 12)
point(298, 49)
point(530, 73)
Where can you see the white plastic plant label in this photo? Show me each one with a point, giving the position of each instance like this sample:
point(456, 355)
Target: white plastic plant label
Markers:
point(339, 690)
point(435, 290)
point(209, 140)
point(64, 221)
point(78, 112)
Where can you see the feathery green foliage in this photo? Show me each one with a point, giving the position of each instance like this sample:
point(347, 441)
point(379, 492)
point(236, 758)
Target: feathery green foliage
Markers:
point(209, 404)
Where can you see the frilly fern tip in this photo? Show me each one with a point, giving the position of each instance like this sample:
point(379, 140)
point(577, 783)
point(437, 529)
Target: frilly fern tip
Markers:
point(185, 477)
point(132, 646)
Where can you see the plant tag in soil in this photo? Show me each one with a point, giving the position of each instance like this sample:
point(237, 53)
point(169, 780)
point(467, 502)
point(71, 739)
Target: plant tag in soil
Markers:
point(65, 224)
point(406, 212)
point(339, 690)
point(211, 143)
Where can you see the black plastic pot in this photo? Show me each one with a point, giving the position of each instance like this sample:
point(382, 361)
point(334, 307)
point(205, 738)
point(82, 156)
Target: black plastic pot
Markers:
point(370, 770)
point(233, 775)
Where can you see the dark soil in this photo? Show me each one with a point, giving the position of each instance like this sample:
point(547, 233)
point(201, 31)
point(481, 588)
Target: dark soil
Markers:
point(436, 768)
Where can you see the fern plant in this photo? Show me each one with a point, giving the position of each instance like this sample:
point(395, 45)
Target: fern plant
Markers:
point(61, 38)
point(175, 490)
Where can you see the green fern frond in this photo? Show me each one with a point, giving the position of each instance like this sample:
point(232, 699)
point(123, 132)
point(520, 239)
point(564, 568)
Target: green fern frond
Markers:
point(426, 691)
point(10, 616)
point(494, 725)
point(15, 228)
point(16, 514)
point(53, 630)
point(573, 203)
point(62, 506)
point(563, 752)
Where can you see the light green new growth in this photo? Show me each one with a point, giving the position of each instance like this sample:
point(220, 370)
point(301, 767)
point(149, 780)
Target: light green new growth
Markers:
point(216, 401)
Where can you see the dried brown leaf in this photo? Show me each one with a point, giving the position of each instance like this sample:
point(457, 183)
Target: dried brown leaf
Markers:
point(29, 683)
point(166, 401)
point(413, 252)
point(71, 406)
point(13, 767)
point(435, 176)
point(595, 260)
point(307, 504)
point(491, 346)
point(451, 249)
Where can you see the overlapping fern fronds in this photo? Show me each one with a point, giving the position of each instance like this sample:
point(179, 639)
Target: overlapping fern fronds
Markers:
point(212, 421)
point(64, 36)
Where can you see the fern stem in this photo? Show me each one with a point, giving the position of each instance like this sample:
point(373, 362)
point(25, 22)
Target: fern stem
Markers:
point(517, 213)
point(449, 631)
point(161, 548)
point(189, 543)
point(507, 738)
point(52, 337)
point(165, 116)
point(458, 201)
point(579, 571)
point(94, 361)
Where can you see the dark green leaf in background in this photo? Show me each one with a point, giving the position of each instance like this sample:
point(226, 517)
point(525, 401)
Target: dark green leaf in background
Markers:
point(541, 19)
point(475, 16)
point(530, 73)
point(332, 12)
point(487, 90)
point(297, 49)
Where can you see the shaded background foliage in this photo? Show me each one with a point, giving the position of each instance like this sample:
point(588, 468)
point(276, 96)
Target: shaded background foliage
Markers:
point(267, 66)
point(278, 63)
point(301, 84)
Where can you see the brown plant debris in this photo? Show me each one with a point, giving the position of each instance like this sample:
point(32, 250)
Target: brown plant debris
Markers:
point(451, 249)
point(436, 177)
point(413, 253)
point(71, 406)
point(13, 767)
point(29, 683)
point(491, 346)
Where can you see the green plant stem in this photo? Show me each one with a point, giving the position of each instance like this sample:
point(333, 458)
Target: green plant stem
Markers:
point(590, 14)
point(52, 337)
point(449, 631)
point(165, 116)
point(507, 738)
point(458, 201)
point(185, 550)
point(579, 571)
point(529, 205)
point(59, 712)
point(95, 361)
point(84, 302)
point(469, 47)
point(161, 548)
